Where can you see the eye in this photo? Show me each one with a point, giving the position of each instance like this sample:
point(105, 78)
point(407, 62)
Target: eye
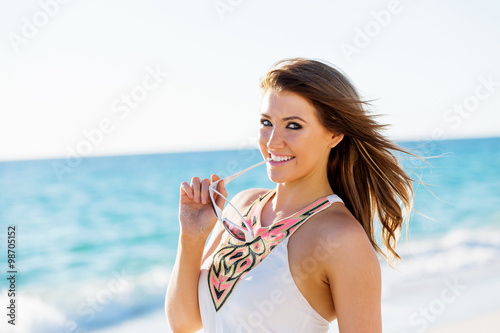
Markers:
point(265, 122)
point(294, 126)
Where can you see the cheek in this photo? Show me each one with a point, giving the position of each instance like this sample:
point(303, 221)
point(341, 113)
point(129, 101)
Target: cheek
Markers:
point(306, 144)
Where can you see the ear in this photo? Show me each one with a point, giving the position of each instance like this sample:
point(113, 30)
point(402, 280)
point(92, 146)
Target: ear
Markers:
point(335, 139)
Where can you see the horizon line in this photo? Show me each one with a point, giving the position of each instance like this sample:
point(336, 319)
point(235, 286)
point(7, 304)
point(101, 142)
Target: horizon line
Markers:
point(220, 149)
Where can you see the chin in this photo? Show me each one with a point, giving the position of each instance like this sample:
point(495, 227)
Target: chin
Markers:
point(277, 177)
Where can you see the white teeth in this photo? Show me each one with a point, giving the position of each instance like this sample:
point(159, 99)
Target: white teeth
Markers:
point(281, 158)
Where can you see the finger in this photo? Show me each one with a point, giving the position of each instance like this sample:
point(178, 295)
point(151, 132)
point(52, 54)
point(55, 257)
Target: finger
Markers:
point(204, 191)
point(215, 178)
point(187, 190)
point(220, 186)
point(219, 201)
point(222, 190)
point(195, 185)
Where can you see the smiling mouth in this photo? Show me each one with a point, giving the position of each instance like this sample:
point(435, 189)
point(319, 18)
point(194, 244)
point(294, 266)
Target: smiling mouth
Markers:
point(281, 158)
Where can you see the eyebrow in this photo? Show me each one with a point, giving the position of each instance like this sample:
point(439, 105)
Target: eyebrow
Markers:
point(285, 119)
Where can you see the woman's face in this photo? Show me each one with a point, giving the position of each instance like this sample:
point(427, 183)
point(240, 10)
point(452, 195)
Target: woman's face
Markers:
point(290, 131)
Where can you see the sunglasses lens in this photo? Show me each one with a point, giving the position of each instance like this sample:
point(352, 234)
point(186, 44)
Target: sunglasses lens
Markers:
point(233, 231)
point(232, 227)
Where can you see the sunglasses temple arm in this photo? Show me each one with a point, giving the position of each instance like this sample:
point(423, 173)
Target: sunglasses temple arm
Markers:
point(230, 178)
point(219, 216)
point(218, 211)
point(215, 208)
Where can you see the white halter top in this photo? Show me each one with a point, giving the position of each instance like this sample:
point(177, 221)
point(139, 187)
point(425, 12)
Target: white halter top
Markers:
point(239, 291)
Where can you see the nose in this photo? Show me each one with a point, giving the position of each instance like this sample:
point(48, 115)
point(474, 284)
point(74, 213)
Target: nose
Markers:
point(275, 140)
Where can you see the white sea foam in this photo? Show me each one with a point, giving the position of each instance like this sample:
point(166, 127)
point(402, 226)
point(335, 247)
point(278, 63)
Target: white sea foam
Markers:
point(87, 307)
point(34, 315)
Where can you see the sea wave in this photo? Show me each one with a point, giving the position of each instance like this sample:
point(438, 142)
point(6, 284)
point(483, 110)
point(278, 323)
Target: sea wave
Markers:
point(85, 307)
point(449, 253)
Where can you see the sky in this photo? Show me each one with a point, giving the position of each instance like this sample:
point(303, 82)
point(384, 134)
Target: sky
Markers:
point(93, 78)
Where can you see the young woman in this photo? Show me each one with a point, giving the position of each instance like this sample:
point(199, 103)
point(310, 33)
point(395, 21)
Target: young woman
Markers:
point(311, 257)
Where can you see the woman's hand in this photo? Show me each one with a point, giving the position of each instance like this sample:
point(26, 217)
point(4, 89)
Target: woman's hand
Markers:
point(196, 216)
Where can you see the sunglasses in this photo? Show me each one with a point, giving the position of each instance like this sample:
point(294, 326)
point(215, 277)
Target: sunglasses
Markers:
point(241, 232)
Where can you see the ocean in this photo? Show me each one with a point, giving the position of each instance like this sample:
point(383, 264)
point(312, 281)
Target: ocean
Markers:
point(95, 239)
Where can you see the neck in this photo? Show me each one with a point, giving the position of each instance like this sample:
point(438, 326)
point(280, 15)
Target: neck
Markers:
point(293, 196)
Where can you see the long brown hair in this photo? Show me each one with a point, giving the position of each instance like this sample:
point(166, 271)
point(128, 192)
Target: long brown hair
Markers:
point(362, 169)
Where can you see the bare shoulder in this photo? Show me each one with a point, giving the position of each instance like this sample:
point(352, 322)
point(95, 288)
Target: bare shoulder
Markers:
point(345, 239)
point(338, 224)
point(351, 270)
point(348, 265)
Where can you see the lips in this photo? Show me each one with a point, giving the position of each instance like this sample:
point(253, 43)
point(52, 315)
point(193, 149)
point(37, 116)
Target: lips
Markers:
point(280, 159)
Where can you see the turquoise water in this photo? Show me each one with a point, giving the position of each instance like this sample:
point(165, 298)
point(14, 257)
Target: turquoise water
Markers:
point(463, 190)
point(95, 244)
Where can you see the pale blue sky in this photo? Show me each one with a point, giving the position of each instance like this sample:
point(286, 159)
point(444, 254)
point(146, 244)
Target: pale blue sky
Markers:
point(64, 69)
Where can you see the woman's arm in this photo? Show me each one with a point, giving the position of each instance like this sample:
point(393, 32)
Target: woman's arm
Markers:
point(181, 303)
point(196, 220)
point(353, 272)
